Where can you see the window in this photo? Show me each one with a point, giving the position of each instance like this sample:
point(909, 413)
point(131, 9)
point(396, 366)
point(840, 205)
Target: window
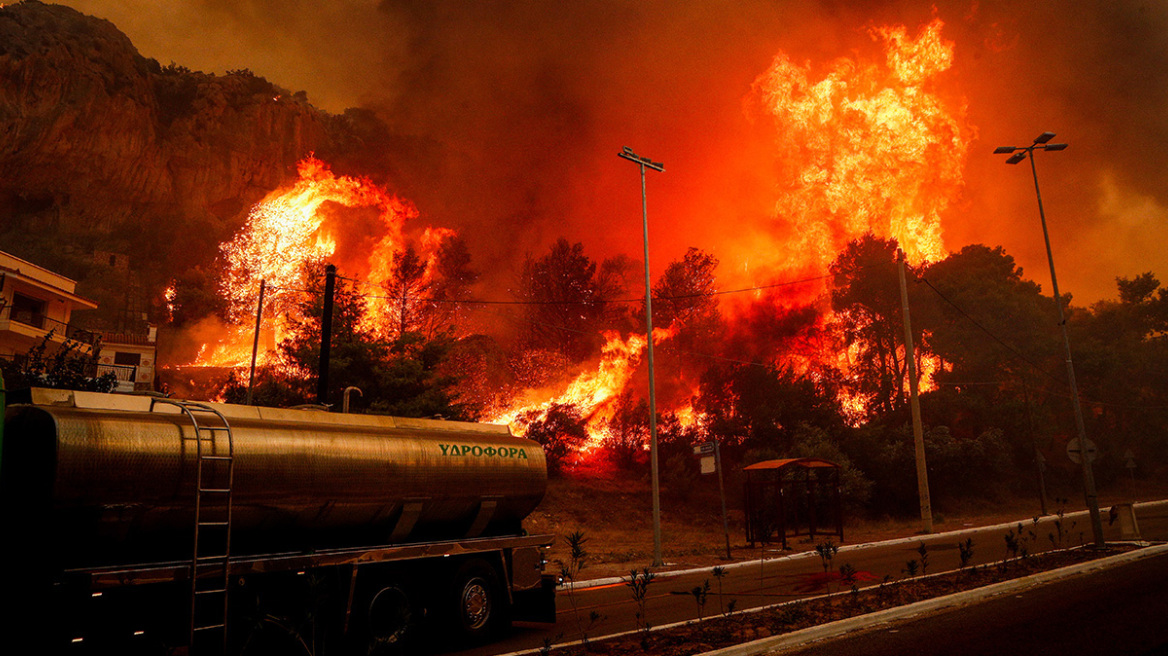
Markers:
point(28, 310)
point(129, 359)
point(124, 362)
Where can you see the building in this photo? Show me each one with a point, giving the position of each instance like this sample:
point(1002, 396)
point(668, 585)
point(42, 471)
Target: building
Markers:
point(35, 302)
point(131, 358)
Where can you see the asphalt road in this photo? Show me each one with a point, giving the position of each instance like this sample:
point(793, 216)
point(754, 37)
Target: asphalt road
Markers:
point(787, 577)
point(1120, 612)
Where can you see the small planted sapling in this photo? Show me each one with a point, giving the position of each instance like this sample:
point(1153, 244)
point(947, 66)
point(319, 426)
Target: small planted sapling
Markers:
point(923, 550)
point(719, 572)
point(826, 550)
point(638, 583)
point(910, 567)
point(965, 552)
point(700, 594)
point(569, 571)
point(848, 575)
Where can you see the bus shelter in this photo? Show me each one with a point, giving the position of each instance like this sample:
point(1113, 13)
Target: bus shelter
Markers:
point(792, 497)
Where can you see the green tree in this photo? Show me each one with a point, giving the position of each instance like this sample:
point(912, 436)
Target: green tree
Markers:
point(997, 338)
point(683, 296)
point(762, 407)
point(567, 302)
point(403, 376)
point(427, 295)
point(683, 300)
point(984, 319)
point(627, 432)
point(869, 320)
point(58, 366)
point(1121, 355)
point(560, 430)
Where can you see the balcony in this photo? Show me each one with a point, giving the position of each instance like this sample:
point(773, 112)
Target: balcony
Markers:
point(125, 374)
point(42, 323)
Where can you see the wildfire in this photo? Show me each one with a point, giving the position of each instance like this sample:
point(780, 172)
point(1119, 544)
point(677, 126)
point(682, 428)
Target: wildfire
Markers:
point(867, 148)
point(298, 226)
point(288, 230)
point(862, 147)
point(594, 392)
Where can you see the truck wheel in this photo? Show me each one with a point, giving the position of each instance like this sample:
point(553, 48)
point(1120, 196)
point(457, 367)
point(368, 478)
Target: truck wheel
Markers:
point(273, 635)
point(393, 618)
point(477, 605)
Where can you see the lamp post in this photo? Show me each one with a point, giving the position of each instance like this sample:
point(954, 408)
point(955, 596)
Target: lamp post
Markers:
point(643, 163)
point(1017, 154)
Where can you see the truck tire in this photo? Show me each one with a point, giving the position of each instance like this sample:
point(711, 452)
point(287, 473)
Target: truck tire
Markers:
point(477, 605)
point(393, 619)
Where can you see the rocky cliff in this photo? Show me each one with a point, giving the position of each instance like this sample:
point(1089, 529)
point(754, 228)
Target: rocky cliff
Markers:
point(99, 144)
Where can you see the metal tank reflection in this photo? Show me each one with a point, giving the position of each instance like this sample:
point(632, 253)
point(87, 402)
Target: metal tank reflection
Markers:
point(110, 477)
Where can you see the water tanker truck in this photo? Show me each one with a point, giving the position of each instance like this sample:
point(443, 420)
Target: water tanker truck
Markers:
point(150, 525)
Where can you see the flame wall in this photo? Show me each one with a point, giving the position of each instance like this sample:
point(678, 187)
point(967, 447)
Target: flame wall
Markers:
point(509, 115)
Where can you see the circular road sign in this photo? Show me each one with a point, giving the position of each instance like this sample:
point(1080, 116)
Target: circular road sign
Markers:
point(1075, 451)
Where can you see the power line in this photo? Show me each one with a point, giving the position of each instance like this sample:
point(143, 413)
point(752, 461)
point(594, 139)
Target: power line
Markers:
point(473, 301)
point(987, 331)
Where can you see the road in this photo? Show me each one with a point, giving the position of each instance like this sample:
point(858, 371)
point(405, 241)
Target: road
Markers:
point(787, 577)
point(1121, 612)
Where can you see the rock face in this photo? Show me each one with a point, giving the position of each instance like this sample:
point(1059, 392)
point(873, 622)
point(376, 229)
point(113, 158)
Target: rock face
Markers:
point(97, 140)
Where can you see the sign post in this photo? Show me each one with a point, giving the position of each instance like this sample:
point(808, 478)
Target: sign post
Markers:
point(711, 455)
point(1076, 450)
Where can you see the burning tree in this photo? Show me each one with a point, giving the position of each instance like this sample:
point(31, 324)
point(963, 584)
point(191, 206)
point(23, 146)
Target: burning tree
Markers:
point(567, 301)
point(870, 321)
point(402, 375)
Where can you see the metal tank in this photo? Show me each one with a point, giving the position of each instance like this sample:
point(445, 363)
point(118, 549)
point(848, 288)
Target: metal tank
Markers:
point(108, 479)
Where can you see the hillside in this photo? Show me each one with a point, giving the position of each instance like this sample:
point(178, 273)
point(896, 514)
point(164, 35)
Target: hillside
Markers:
point(103, 149)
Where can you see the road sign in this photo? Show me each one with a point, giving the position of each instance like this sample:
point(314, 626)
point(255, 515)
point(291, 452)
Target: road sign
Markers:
point(704, 449)
point(1074, 451)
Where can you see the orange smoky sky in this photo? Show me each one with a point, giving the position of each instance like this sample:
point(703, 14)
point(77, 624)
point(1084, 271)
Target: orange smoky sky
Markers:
point(507, 116)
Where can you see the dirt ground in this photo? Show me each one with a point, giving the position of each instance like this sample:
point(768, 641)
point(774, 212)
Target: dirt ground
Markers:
point(615, 514)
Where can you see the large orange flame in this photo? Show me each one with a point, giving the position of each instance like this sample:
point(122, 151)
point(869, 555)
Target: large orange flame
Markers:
point(861, 147)
point(593, 393)
point(296, 226)
point(867, 148)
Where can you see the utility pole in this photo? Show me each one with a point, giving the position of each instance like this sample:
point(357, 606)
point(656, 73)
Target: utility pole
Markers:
point(326, 331)
point(255, 343)
point(643, 163)
point(915, 402)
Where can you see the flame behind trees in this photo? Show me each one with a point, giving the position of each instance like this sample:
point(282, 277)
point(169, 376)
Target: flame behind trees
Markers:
point(569, 299)
point(868, 148)
point(866, 299)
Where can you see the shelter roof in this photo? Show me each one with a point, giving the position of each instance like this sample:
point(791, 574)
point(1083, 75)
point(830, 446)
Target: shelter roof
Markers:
point(806, 463)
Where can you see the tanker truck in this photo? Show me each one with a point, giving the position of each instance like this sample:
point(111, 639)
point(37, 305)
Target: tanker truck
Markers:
point(136, 524)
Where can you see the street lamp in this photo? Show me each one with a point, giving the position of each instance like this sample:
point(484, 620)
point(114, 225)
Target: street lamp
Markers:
point(1017, 154)
point(644, 163)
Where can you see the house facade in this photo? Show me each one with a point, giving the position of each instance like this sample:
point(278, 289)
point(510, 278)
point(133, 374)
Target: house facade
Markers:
point(131, 358)
point(35, 302)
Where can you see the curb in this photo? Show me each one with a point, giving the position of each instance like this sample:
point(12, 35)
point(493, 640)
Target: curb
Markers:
point(613, 580)
point(956, 600)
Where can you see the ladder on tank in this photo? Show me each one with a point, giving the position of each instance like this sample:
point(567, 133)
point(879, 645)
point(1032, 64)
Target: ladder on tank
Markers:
point(214, 449)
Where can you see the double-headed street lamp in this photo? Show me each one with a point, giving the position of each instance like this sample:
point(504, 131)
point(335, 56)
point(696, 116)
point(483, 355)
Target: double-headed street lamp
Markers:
point(1017, 154)
point(646, 163)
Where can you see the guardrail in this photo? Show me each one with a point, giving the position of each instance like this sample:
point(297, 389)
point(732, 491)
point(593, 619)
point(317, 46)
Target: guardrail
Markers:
point(125, 373)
